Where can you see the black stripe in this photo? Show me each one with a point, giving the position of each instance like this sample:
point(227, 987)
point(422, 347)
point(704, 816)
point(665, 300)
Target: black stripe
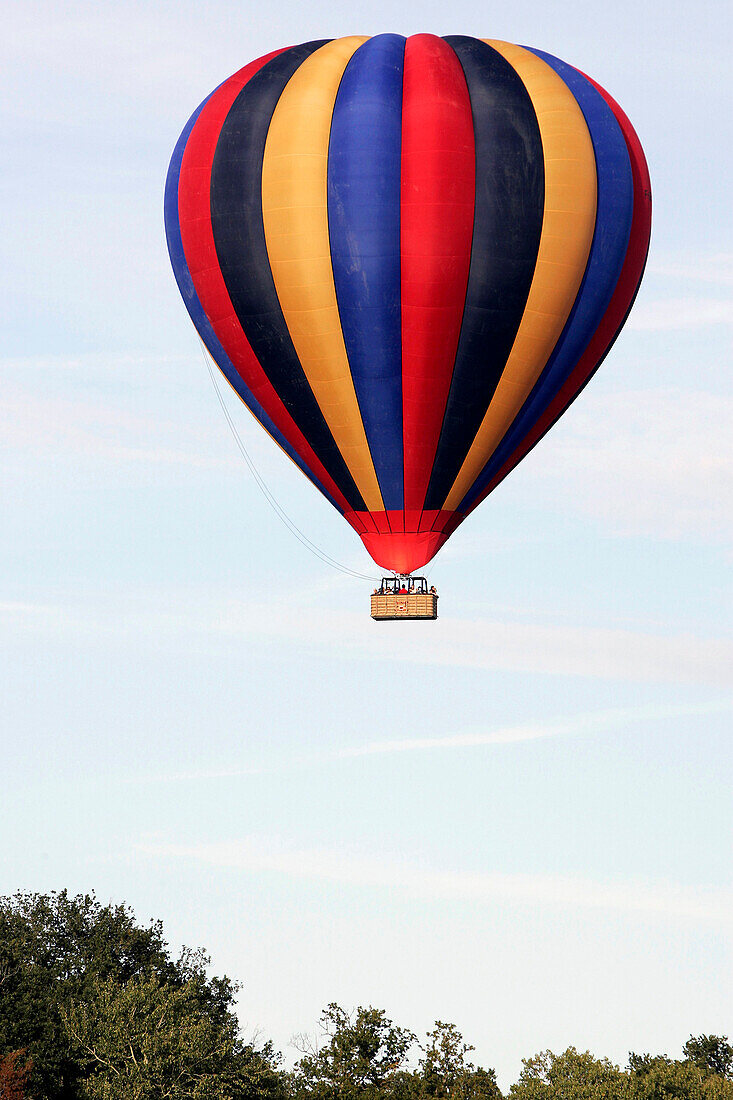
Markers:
point(510, 198)
point(239, 236)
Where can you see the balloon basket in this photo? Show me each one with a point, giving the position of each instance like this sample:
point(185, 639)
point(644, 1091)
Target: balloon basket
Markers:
point(404, 597)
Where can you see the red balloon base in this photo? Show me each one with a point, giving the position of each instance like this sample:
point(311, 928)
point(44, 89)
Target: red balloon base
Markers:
point(404, 541)
point(401, 553)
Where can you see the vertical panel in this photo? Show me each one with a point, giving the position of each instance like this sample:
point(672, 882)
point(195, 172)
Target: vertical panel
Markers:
point(241, 255)
point(607, 254)
point(618, 309)
point(364, 230)
point(437, 212)
point(567, 233)
point(295, 219)
point(509, 204)
point(195, 192)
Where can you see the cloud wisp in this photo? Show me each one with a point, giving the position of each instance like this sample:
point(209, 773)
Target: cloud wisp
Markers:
point(716, 268)
point(588, 724)
point(595, 722)
point(559, 650)
point(671, 314)
point(654, 462)
point(257, 855)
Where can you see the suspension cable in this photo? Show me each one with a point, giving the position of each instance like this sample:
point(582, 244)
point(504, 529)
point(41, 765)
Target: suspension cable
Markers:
point(277, 509)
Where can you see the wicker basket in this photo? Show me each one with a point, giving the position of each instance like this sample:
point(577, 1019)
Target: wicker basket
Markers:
point(412, 605)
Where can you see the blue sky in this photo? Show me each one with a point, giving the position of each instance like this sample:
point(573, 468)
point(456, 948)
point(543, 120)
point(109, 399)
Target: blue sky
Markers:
point(517, 818)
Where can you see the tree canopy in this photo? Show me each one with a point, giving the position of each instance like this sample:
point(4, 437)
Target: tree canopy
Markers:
point(568, 1076)
point(94, 1006)
point(105, 1011)
point(712, 1053)
point(359, 1056)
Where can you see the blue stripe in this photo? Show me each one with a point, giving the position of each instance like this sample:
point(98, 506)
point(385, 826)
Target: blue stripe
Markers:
point(196, 311)
point(364, 173)
point(605, 261)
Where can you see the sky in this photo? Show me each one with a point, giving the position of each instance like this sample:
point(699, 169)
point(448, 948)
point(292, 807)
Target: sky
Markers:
point(517, 818)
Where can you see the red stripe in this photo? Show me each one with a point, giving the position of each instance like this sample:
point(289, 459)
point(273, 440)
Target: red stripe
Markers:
point(436, 210)
point(194, 213)
point(618, 308)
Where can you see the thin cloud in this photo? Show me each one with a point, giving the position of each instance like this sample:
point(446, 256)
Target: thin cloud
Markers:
point(680, 313)
point(654, 462)
point(595, 652)
point(579, 725)
point(509, 735)
point(33, 423)
point(46, 410)
point(264, 855)
point(650, 462)
point(716, 268)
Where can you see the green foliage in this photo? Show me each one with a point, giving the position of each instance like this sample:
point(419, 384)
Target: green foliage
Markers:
point(568, 1076)
point(661, 1078)
point(576, 1076)
point(149, 1039)
point(445, 1072)
point(356, 1057)
point(642, 1064)
point(444, 1066)
point(94, 1007)
point(712, 1053)
point(364, 1056)
point(76, 977)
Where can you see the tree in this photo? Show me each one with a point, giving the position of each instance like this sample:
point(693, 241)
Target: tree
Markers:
point(359, 1056)
point(712, 1053)
point(481, 1084)
point(661, 1078)
point(15, 1069)
point(642, 1064)
point(364, 1056)
point(93, 1006)
point(51, 946)
point(445, 1072)
point(443, 1065)
point(70, 968)
point(146, 1039)
point(568, 1076)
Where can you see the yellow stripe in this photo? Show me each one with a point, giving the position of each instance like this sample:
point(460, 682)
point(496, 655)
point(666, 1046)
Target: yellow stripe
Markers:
point(295, 213)
point(567, 232)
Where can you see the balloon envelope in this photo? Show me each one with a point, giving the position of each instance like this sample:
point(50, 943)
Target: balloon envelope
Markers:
point(408, 256)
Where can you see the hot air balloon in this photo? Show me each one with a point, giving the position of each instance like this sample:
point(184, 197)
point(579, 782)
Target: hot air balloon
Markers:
point(408, 256)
